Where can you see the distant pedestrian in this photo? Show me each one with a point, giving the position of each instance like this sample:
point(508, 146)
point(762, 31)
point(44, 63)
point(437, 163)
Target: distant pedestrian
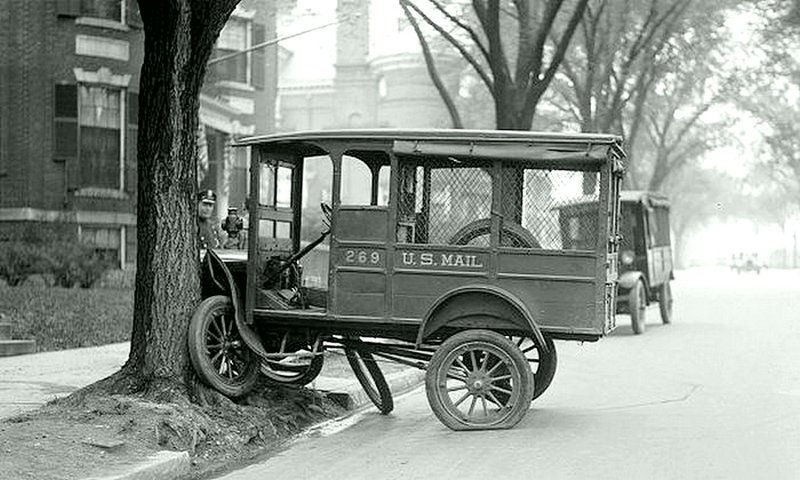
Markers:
point(208, 230)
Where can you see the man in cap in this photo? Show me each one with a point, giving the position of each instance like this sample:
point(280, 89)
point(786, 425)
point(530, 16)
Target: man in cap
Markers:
point(208, 230)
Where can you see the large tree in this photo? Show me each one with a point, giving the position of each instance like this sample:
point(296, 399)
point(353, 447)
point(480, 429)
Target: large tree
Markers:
point(506, 43)
point(179, 38)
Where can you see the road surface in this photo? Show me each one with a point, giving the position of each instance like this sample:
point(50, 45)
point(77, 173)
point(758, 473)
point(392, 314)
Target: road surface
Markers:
point(714, 395)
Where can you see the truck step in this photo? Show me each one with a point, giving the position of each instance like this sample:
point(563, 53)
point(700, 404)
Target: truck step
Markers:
point(16, 347)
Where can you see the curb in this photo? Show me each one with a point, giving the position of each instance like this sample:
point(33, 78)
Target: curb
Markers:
point(162, 465)
point(168, 464)
point(353, 397)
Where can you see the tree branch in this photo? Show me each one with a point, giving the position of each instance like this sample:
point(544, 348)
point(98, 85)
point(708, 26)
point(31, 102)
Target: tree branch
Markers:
point(432, 71)
point(458, 46)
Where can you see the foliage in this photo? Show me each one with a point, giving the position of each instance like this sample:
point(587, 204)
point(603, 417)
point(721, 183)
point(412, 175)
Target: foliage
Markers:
point(516, 73)
point(51, 248)
point(59, 318)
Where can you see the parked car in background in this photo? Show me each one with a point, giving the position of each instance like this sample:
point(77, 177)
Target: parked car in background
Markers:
point(645, 252)
point(747, 263)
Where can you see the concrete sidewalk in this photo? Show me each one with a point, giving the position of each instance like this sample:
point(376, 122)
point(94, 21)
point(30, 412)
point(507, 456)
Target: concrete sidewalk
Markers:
point(29, 381)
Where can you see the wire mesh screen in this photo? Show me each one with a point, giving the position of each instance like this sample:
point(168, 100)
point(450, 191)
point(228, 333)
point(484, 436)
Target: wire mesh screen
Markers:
point(549, 209)
point(450, 202)
point(444, 202)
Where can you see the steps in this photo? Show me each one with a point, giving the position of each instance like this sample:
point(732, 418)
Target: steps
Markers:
point(10, 347)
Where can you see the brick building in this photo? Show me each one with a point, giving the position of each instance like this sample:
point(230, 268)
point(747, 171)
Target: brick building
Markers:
point(69, 82)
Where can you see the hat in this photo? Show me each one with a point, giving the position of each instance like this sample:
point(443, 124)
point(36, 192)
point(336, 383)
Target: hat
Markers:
point(207, 196)
point(232, 209)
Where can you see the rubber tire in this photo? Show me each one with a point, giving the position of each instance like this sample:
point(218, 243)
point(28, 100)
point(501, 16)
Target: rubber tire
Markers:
point(306, 377)
point(380, 394)
point(665, 292)
point(543, 376)
point(637, 305)
point(547, 369)
point(519, 361)
point(522, 237)
point(198, 354)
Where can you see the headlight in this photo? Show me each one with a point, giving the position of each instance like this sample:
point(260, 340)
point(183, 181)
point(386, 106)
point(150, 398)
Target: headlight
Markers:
point(627, 257)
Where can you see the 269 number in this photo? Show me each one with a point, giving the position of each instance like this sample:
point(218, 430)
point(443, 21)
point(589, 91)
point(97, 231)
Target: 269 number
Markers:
point(362, 257)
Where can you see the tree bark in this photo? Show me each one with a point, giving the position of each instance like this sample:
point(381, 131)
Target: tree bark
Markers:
point(179, 38)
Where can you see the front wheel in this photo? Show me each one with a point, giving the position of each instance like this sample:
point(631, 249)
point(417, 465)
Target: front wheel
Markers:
point(479, 380)
point(637, 304)
point(371, 378)
point(290, 372)
point(665, 302)
point(217, 351)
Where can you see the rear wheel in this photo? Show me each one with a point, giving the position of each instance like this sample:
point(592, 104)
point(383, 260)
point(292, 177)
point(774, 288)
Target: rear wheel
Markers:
point(543, 364)
point(637, 303)
point(371, 378)
point(665, 302)
point(478, 380)
point(217, 351)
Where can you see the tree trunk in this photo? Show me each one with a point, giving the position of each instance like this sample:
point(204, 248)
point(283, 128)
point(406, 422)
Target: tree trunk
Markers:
point(179, 37)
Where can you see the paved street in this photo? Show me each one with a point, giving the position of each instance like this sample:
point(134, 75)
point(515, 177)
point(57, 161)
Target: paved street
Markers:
point(715, 395)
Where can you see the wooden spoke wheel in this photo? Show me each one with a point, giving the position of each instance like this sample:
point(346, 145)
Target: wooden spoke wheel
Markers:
point(637, 304)
point(371, 378)
point(217, 351)
point(513, 235)
point(543, 364)
point(477, 380)
point(665, 302)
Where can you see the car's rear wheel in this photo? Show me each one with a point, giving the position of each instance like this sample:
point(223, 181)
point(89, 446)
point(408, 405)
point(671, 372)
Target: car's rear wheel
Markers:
point(665, 302)
point(543, 364)
point(478, 380)
point(637, 304)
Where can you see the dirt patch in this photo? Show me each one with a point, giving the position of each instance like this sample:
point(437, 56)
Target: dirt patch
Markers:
point(72, 439)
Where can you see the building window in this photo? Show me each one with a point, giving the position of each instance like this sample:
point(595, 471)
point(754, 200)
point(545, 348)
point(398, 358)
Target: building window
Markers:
point(101, 136)
point(106, 241)
point(105, 9)
point(234, 38)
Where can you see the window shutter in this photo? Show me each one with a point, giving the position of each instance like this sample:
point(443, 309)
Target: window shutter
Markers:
point(132, 15)
point(66, 131)
point(259, 57)
point(68, 8)
point(130, 148)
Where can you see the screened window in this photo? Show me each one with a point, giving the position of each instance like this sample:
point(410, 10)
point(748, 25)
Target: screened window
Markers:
point(101, 125)
point(444, 203)
point(549, 209)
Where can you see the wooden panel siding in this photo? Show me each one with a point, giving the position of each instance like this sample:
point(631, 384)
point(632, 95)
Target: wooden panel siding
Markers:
point(567, 264)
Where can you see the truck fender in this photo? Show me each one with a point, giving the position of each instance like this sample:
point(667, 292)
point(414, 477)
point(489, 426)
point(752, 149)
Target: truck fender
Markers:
point(627, 280)
point(495, 302)
point(221, 277)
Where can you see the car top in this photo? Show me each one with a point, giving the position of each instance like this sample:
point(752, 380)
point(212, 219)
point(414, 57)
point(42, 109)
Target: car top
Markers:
point(432, 134)
point(556, 150)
